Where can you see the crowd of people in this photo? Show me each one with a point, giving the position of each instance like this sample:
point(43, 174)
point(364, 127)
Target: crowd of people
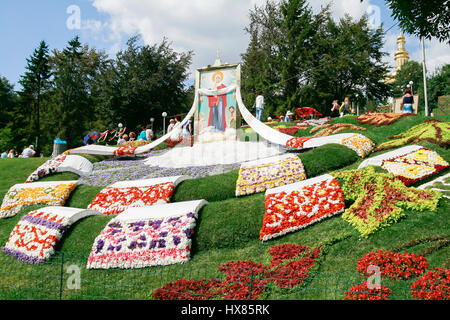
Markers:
point(28, 152)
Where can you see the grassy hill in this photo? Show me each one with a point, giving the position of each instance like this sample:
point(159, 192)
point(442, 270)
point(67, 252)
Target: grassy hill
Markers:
point(227, 229)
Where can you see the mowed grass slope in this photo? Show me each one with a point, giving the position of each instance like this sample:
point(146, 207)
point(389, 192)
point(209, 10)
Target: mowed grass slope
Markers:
point(227, 229)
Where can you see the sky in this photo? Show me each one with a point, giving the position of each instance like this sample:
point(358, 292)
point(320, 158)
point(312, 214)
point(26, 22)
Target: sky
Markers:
point(199, 25)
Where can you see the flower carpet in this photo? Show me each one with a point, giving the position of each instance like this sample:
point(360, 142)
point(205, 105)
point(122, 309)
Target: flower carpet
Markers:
point(359, 143)
point(441, 184)
point(36, 235)
point(62, 163)
point(290, 266)
point(257, 176)
point(410, 164)
point(432, 130)
point(328, 129)
point(146, 236)
point(122, 195)
point(296, 206)
point(54, 193)
point(381, 119)
point(380, 199)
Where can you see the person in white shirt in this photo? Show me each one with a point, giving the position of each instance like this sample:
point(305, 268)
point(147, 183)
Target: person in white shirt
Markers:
point(171, 125)
point(149, 132)
point(28, 152)
point(259, 104)
point(287, 118)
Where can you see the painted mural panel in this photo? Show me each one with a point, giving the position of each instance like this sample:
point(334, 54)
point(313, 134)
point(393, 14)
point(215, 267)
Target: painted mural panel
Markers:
point(217, 116)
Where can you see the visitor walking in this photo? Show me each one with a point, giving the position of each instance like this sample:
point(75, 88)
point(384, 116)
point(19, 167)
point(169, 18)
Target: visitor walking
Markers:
point(345, 107)
point(259, 104)
point(149, 132)
point(406, 105)
point(287, 118)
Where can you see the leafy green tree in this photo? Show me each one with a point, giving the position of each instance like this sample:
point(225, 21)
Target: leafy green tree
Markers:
point(430, 18)
point(7, 100)
point(72, 108)
point(35, 83)
point(349, 56)
point(439, 85)
point(410, 71)
point(144, 81)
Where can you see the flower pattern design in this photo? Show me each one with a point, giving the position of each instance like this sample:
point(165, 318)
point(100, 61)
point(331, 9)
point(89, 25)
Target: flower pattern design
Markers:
point(301, 205)
point(46, 169)
point(277, 171)
point(143, 243)
point(415, 166)
point(22, 195)
point(360, 144)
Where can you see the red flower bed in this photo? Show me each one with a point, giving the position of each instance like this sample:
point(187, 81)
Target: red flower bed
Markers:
point(434, 285)
point(290, 266)
point(362, 292)
point(393, 265)
point(289, 130)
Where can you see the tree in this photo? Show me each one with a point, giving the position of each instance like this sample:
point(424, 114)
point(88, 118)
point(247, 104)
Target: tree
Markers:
point(8, 99)
point(142, 82)
point(410, 71)
point(350, 63)
point(439, 84)
point(34, 83)
point(427, 19)
point(72, 107)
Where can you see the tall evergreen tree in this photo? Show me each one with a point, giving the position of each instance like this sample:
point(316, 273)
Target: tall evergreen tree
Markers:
point(34, 83)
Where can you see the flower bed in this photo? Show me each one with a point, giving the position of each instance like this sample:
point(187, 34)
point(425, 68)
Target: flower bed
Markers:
point(415, 166)
point(362, 292)
point(147, 236)
point(380, 199)
point(54, 193)
point(289, 130)
point(35, 236)
point(257, 176)
point(120, 196)
point(434, 285)
point(329, 129)
point(381, 119)
point(299, 205)
point(433, 130)
point(359, 143)
point(47, 168)
point(396, 266)
point(296, 142)
point(290, 266)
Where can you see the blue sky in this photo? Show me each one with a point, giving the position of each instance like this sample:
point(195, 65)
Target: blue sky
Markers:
point(199, 25)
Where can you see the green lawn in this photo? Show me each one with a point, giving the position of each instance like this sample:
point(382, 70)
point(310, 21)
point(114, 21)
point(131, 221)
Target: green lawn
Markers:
point(227, 229)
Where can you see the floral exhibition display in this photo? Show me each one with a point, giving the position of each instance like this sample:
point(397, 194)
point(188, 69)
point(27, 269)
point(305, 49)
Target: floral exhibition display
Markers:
point(432, 130)
point(362, 292)
point(395, 266)
point(289, 267)
point(146, 236)
point(62, 163)
point(380, 199)
point(433, 285)
point(297, 142)
point(257, 176)
point(125, 151)
point(381, 119)
point(296, 206)
point(314, 122)
point(47, 168)
point(415, 166)
point(328, 129)
point(122, 195)
point(54, 193)
point(289, 130)
point(35, 236)
point(359, 143)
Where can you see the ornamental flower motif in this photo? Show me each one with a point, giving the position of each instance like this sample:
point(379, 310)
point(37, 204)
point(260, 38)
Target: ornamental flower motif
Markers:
point(22, 195)
point(416, 165)
point(299, 207)
point(277, 171)
point(116, 200)
point(138, 244)
point(45, 169)
point(297, 142)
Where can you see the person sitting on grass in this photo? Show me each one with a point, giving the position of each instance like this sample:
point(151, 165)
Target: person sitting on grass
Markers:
point(4, 155)
point(132, 136)
point(28, 152)
point(11, 154)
